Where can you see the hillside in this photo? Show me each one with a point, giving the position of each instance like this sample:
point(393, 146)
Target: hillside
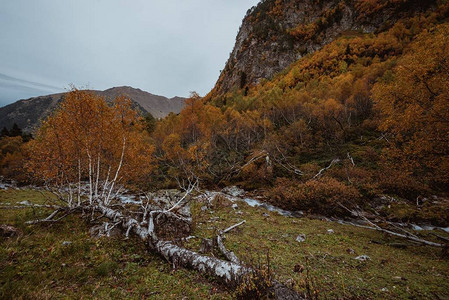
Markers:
point(276, 33)
point(27, 113)
point(353, 120)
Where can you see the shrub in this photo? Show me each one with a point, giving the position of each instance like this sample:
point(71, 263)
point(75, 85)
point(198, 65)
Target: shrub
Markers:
point(322, 196)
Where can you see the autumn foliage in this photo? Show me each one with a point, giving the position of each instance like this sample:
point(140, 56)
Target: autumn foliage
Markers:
point(376, 102)
point(87, 139)
point(363, 116)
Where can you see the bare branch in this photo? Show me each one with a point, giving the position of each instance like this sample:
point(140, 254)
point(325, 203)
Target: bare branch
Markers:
point(320, 173)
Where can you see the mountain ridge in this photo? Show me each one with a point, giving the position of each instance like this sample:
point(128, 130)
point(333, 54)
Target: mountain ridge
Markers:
point(27, 113)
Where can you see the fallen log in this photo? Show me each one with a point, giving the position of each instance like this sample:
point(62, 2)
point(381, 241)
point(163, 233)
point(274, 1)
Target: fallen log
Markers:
point(231, 272)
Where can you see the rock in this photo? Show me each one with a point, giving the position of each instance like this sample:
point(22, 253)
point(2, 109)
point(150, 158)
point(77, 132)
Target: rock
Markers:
point(363, 258)
point(298, 214)
point(66, 243)
point(233, 191)
point(290, 283)
point(99, 231)
point(266, 215)
point(220, 201)
point(206, 246)
point(8, 231)
point(330, 231)
point(235, 206)
point(169, 228)
point(399, 278)
point(25, 202)
point(298, 268)
point(239, 212)
point(165, 199)
point(301, 238)
point(204, 208)
point(384, 289)
point(262, 50)
point(350, 251)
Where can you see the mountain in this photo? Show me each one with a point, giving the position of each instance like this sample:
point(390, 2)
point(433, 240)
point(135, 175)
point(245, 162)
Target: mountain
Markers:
point(276, 33)
point(28, 113)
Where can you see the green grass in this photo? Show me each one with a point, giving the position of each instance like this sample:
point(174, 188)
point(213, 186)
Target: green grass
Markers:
point(413, 272)
point(37, 265)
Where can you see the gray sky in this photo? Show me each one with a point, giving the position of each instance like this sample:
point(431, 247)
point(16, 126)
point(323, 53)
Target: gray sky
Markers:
point(165, 47)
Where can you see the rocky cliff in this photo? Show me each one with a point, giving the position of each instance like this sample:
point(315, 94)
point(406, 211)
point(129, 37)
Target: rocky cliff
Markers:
point(276, 33)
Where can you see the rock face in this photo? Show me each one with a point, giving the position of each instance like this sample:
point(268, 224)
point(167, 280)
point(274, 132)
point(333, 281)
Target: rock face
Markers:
point(28, 113)
point(275, 33)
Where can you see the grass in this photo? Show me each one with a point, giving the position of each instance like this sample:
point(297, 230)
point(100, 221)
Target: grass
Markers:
point(391, 273)
point(37, 265)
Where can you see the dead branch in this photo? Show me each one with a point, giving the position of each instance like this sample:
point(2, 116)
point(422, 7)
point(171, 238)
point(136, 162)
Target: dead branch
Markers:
point(50, 218)
point(29, 206)
point(219, 239)
point(320, 173)
point(231, 272)
point(233, 226)
point(228, 254)
point(350, 159)
point(374, 226)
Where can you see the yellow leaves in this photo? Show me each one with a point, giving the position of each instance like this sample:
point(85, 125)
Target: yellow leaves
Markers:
point(85, 129)
point(172, 146)
point(415, 105)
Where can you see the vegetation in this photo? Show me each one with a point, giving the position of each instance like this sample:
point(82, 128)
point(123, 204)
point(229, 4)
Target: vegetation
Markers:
point(36, 264)
point(360, 124)
point(362, 101)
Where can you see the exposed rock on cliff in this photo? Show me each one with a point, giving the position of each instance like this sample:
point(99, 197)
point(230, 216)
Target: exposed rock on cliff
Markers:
point(275, 33)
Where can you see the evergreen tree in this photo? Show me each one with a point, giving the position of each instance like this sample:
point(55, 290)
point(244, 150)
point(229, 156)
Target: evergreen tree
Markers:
point(15, 130)
point(4, 132)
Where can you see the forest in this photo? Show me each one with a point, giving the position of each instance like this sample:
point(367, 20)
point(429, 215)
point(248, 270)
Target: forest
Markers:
point(357, 131)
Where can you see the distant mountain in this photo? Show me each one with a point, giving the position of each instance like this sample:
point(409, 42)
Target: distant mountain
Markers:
point(28, 113)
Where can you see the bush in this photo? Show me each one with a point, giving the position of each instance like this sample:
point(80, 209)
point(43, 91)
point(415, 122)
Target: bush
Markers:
point(322, 196)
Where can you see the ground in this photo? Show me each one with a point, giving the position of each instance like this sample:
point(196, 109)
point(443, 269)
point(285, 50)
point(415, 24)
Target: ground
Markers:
point(37, 264)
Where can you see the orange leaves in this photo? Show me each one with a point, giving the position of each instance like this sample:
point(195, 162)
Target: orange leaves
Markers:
point(415, 105)
point(86, 134)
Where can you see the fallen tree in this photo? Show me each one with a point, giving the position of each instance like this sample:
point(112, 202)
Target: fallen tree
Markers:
point(372, 225)
point(88, 150)
point(230, 271)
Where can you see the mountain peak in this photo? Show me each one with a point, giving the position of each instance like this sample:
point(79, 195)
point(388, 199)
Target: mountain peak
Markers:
point(29, 112)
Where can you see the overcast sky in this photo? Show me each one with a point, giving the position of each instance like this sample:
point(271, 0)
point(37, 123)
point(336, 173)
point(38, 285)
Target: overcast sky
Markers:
point(165, 47)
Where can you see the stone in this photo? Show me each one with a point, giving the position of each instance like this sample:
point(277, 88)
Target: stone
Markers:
point(330, 231)
point(206, 246)
point(98, 231)
point(363, 258)
point(8, 231)
point(301, 238)
point(233, 191)
point(298, 268)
